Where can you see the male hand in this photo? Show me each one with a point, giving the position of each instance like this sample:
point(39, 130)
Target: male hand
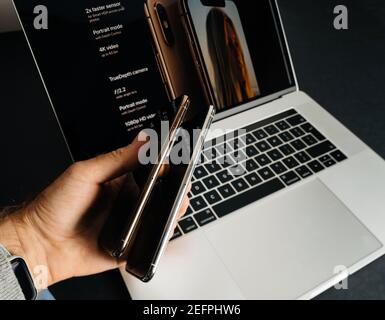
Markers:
point(60, 228)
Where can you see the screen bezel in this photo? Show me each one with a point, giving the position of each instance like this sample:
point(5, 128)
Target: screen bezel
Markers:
point(286, 56)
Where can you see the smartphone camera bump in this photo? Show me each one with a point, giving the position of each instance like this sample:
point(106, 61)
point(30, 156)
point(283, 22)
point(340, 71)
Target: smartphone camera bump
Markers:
point(165, 24)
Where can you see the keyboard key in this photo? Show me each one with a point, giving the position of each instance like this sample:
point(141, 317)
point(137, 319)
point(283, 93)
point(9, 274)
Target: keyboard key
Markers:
point(226, 191)
point(250, 139)
point(325, 158)
point(210, 154)
point(240, 185)
point(251, 152)
point(271, 130)
point(307, 127)
point(248, 197)
point(275, 141)
point(316, 166)
point(304, 172)
point(298, 145)
point(278, 168)
point(296, 120)
point(321, 149)
point(253, 179)
point(260, 134)
point(327, 161)
point(287, 150)
point(266, 173)
point(198, 204)
point(338, 156)
point(282, 125)
point(200, 173)
point(297, 132)
point(251, 165)
point(310, 140)
point(223, 149)
point(212, 197)
point(188, 225)
point(197, 188)
point(210, 183)
point(263, 146)
point(275, 155)
point(177, 234)
point(302, 157)
point(189, 212)
point(205, 217)
point(213, 167)
point(226, 161)
point(286, 136)
point(238, 156)
point(290, 178)
point(236, 144)
point(291, 163)
point(224, 176)
point(263, 160)
point(237, 171)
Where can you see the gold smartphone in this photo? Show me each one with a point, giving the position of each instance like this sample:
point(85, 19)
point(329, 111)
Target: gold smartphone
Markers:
point(143, 235)
point(119, 228)
point(172, 51)
point(160, 212)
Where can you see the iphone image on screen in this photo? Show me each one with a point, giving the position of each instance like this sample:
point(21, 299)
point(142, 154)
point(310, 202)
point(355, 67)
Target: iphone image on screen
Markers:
point(220, 49)
point(172, 50)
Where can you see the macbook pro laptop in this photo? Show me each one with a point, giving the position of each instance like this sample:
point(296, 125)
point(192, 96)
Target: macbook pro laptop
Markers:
point(305, 207)
point(304, 212)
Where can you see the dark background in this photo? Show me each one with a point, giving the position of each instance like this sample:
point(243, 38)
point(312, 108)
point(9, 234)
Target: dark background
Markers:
point(343, 70)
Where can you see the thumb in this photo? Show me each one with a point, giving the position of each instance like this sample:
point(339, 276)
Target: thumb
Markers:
point(108, 167)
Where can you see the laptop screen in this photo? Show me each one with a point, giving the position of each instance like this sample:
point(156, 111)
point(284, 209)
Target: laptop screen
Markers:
point(242, 48)
point(102, 77)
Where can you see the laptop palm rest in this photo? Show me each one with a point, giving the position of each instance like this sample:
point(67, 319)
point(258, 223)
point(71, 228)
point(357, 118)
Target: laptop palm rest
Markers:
point(282, 247)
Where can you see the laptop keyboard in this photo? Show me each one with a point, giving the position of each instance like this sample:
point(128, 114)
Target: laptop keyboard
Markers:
point(275, 153)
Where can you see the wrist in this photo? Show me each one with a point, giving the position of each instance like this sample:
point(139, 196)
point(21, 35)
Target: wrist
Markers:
point(20, 239)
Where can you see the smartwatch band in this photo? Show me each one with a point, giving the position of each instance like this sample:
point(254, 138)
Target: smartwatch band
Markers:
point(5, 252)
point(22, 273)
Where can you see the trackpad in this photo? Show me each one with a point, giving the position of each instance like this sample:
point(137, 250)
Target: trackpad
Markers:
point(290, 244)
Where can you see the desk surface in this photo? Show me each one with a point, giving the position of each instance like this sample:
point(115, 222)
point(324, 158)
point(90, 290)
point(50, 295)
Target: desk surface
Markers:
point(343, 70)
